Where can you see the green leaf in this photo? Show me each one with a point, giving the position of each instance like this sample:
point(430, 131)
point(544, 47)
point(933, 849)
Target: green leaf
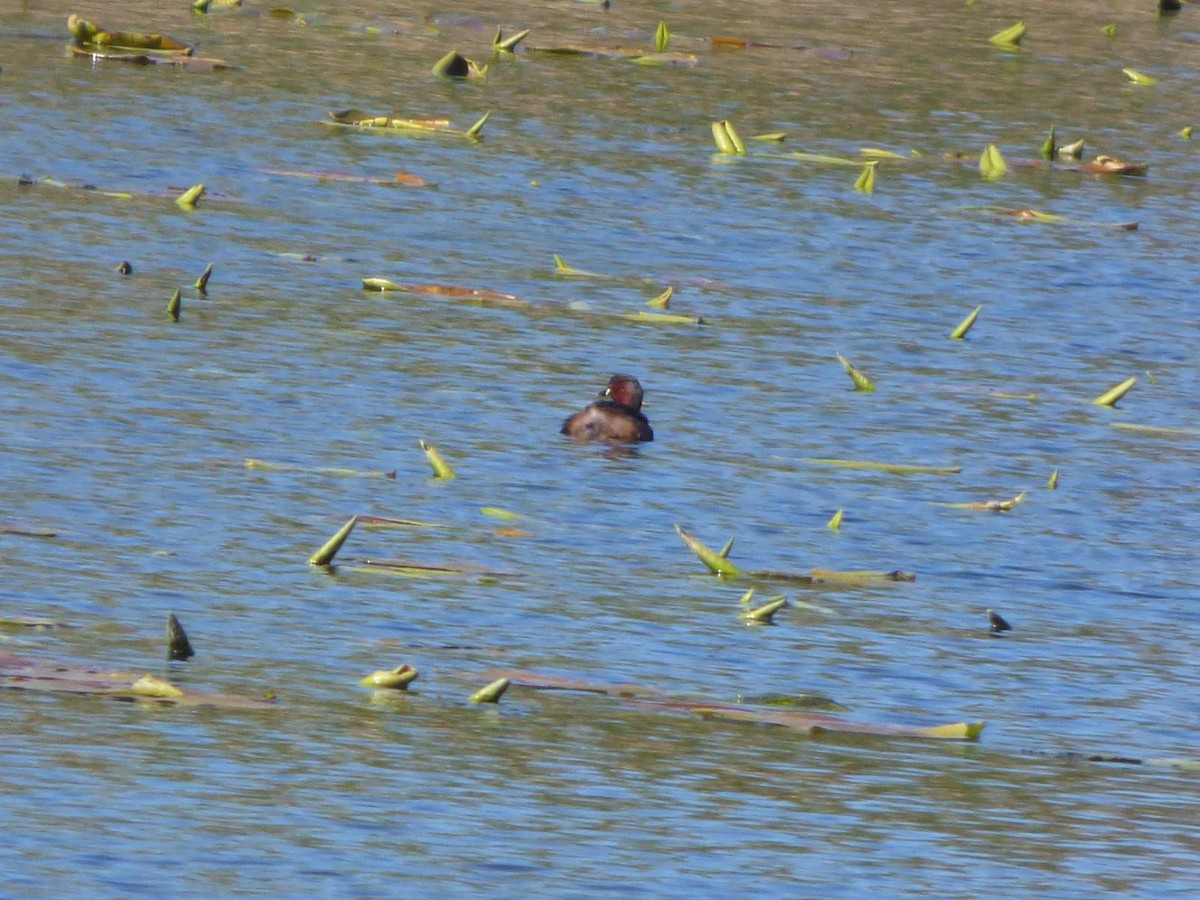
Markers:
point(865, 184)
point(1049, 148)
point(441, 468)
point(662, 38)
point(491, 693)
point(1138, 78)
point(175, 305)
point(1109, 30)
point(725, 144)
point(965, 325)
point(717, 564)
point(1009, 37)
point(189, 198)
point(663, 300)
point(1052, 481)
point(1113, 395)
point(890, 468)
point(330, 548)
point(991, 163)
point(861, 381)
point(835, 524)
point(202, 281)
point(507, 45)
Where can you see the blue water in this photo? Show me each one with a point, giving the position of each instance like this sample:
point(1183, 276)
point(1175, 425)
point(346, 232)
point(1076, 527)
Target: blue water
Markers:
point(126, 434)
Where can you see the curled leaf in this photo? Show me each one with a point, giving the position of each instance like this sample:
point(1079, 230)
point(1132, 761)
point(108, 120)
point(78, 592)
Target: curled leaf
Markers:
point(189, 198)
point(1010, 37)
point(866, 181)
point(835, 524)
point(765, 614)
point(1139, 78)
point(991, 163)
point(663, 300)
point(175, 305)
point(491, 693)
point(202, 281)
point(178, 645)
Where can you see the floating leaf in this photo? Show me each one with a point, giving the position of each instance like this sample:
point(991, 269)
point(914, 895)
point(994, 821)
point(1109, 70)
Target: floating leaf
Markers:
point(84, 32)
point(397, 679)
point(965, 325)
point(747, 598)
point(663, 300)
point(877, 153)
point(1052, 481)
point(354, 118)
point(765, 614)
point(491, 693)
point(1010, 37)
point(386, 522)
point(202, 281)
point(1112, 395)
point(441, 468)
point(330, 548)
point(835, 524)
point(561, 268)
point(1109, 30)
point(662, 318)
point(990, 505)
point(866, 181)
point(175, 305)
point(861, 381)
point(829, 576)
point(1049, 148)
point(149, 686)
point(991, 163)
point(497, 513)
point(507, 45)
point(662, 38)
point(1186, 132)
point(189, 198)
point(178, 645)
point(1138, 78)
point(890, 468)
point(1156, 429)
point(775, 137)
point(821, 723)
point(717, 564)
point(263, 464)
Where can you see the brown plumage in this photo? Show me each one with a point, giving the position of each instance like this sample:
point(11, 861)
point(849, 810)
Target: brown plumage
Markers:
point(616, 418)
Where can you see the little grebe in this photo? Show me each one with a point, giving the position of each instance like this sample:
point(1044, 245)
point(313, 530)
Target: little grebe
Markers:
point(616, 418)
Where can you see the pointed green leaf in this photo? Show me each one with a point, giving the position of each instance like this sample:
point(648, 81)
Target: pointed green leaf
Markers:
point(189, 198)
point(1109, 30)
point(1138, 78)
point(330, 548)
point(991, 163)
point(1009, 37)
point(663, 300)
point(1111, 396)
point(965, 325)
point(717, 564)
point(441, 468)
point(174, 306)
point(662, 38)
point(724, 142)
point(835, 524)
point(1049, 148)
point(491, 693)
point(1052, 481)
point(866, 181)
point(202, 281)
point(507, 45)
point(861, 381)
point(733, 136)
point(473, 131)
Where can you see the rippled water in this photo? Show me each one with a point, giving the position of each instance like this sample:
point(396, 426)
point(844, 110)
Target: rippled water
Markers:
point(126, 435)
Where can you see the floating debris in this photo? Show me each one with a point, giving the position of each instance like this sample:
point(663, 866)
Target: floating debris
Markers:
point(1110, 165)
point(178, 645)
point(998, 624)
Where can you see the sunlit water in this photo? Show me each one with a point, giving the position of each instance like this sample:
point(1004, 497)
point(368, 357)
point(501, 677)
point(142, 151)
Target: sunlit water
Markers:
point(126, 434)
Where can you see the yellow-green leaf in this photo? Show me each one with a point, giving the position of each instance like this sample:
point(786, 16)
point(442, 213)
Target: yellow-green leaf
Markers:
point(865, 184)
point(491, 693)
point(716, 563)
point(1111, 396)
point(1010, 36)
point(835, 524)
point(663, 300)
point(1139, 78)
point(330, 548)
point(662, 38)
point(991, 163)
point(1049, 148)
point(965, 325)
point(189, 198)
point(441, 468)
point(1052, 481)
point(861, 381)
point(174, 305)
point(890, 468)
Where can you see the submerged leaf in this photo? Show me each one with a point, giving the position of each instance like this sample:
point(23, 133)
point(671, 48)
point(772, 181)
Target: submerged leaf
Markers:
point(965, 325)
